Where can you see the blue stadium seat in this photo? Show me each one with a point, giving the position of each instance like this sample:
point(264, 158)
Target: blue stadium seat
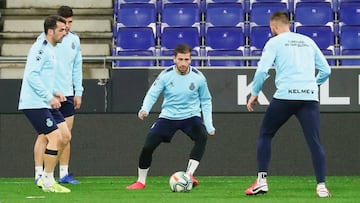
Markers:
point(260, 12)
point(130, 63)
point(350, 62)
point(332, 2)
point(349, 13)
point(224, 1)
point(224, 41)
point(137, 15)
point(248, 3)
point(225, 14)
point(327, 52)
point(179, 1)
point(137, 1)
point(180, 15)
point(350, 37)
point(227, 38)
point(171, 62)
point(259, 35)
point(313, 13)
point(129, 38)
point(256, 52)
point(207, 2)
point(322, 35)
point(199, 3)
point(172, 36)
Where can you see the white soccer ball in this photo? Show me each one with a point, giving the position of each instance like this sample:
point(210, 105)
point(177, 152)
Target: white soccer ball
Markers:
point(180, 182)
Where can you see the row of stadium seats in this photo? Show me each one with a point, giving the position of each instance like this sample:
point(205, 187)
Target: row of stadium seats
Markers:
point(226, 29)
point(291, 5)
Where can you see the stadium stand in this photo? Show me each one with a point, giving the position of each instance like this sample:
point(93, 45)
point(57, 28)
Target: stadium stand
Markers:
point(259, 14)
point(349, 12)
point(224, 32)
point(172, 36)
point(180, 15)
point(92, 22)
point(224, 41)
point(259, 35)
point(135, 41)
point(225, 14)
point(136, 15)
point(349, 23)
point(316, 20)
point(260, 11)
point(350, 43)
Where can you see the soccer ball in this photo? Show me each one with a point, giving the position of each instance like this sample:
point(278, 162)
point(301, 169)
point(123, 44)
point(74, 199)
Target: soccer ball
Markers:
point(180, 182)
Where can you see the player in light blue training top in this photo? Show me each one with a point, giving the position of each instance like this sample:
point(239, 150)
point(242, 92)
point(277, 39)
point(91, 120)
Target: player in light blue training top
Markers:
point(187, 107)
point(69, 82)
point(296, 58)
point(40, 101)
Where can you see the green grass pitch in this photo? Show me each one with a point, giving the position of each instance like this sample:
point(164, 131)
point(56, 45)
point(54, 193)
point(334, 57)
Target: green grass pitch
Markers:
point(222, 189)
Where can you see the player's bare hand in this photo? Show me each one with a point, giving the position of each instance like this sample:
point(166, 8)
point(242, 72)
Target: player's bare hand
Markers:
point(212, 133)
point(60, 96)
point(251, 102)
point(55, 103)
point(142, 114)
point(77, 102)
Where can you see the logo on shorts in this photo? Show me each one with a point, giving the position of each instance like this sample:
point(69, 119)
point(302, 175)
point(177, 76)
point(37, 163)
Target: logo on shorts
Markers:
point(49, 122)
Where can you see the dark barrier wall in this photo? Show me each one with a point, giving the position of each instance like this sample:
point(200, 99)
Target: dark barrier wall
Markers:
point(109, 144)
point(107, 136)
point(230, 88)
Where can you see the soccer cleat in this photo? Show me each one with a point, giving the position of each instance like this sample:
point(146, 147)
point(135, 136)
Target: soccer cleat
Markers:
point(136, 186)
point(322, 191)
point(68, 179)
point(195, 182)
point(57, 188)
point(257, 188)
point(38, 182)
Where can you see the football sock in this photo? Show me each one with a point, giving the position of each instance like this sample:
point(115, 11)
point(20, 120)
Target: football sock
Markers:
point(142, 174)
point(64, 170)
point(262, 176)
point(192, 166)
point(38, 171)
point(48, 179)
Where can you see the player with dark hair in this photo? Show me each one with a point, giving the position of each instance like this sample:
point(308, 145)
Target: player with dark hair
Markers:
point(296, 58)
point(186, 97)
point(69, 82)
point(40, 101)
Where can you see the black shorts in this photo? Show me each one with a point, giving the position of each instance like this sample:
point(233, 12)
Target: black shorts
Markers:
point(67, 107)
point(44, 120)
point(166, 128)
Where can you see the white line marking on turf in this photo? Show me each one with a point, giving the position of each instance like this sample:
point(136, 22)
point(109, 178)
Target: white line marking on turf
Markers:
point(35, 197)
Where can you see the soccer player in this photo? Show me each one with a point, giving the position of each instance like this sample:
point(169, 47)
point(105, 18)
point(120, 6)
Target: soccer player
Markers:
point(296, 58)
point(40, 102)
point(69, 82)
point(186, 97)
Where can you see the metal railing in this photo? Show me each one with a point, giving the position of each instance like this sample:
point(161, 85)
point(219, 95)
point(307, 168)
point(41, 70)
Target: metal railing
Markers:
point(106, 60)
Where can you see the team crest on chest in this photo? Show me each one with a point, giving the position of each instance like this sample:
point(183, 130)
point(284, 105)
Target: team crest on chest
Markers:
point(73, 45)
point(192, 86)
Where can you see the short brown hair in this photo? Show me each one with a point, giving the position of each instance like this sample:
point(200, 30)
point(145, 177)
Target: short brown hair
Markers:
point(183, 49)
point(280, 16)
point(65, 11)
point(50, 22)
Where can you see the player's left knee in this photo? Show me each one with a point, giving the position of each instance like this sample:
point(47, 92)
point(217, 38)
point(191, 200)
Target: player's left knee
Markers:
point(65, 138)
point(199, 134)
